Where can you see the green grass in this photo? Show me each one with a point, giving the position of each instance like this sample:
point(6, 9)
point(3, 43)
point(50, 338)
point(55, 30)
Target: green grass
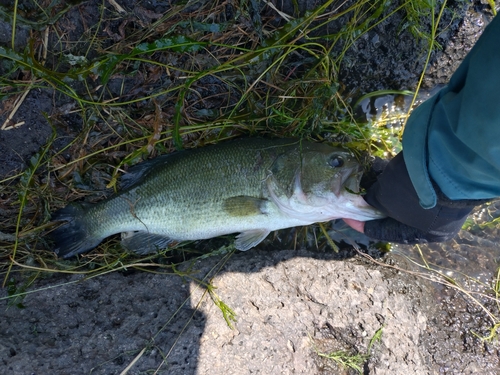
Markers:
point(352, 359)
point(347, 360)
point(194, 83)
point(195, 75)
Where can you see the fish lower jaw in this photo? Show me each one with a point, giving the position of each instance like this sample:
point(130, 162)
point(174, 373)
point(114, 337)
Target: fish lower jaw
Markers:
point(344, 207)
point(356, 209)
point(320, 205)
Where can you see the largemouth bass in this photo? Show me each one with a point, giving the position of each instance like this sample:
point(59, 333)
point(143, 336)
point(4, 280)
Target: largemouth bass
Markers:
point(250, 186)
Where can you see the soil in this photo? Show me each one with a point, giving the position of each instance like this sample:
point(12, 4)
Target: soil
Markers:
point(289, 305)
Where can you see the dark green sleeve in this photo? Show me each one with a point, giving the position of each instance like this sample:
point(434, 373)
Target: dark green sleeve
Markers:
point(454, 137)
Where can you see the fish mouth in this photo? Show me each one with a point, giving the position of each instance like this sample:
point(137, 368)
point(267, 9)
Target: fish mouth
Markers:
point(351, 179)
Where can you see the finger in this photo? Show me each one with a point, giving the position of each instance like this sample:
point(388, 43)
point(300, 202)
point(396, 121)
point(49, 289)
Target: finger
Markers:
point(356, 224)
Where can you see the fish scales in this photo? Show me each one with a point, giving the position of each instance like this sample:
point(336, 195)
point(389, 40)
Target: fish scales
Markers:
point(184, 200)
point(251, 186)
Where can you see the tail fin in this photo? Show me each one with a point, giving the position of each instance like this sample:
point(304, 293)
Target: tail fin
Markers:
point(74, 237)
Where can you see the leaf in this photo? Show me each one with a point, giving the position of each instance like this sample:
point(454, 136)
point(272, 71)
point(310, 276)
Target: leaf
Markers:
point(16, 295)
point(106, 67)
point(178, 43)
point(179, 108)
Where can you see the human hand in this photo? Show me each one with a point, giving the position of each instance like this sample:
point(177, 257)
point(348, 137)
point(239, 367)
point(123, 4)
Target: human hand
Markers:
point(391, 191)
point(356, 224)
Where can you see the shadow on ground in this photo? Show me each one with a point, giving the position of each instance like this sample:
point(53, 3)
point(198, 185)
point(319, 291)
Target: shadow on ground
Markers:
point(289, 305)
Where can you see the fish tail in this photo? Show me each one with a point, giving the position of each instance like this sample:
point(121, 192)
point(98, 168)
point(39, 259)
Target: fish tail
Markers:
point(75, 236)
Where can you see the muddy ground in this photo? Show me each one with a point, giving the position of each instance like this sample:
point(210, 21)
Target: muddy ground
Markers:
point(291, 307)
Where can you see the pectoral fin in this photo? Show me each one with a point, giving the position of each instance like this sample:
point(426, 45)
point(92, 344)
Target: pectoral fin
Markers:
point(144, 242)
point(245, 206)
point(247, 240)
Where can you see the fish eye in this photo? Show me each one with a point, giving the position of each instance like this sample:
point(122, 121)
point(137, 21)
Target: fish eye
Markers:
point(336, 161)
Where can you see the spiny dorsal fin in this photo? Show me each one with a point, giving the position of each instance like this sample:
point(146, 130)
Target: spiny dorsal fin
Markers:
point(137, 172)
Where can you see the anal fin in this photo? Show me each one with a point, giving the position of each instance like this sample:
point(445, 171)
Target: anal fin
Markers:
point(246, 240)
point(144, 242)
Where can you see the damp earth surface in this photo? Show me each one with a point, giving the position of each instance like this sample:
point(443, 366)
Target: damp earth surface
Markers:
point(284, 308)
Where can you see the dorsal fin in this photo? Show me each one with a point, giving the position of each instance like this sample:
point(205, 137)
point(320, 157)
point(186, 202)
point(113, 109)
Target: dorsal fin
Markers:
point(137, 172)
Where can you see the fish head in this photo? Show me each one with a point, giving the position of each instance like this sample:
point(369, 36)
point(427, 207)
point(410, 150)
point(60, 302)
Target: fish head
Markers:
point(325, 170)
point(319, 181)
